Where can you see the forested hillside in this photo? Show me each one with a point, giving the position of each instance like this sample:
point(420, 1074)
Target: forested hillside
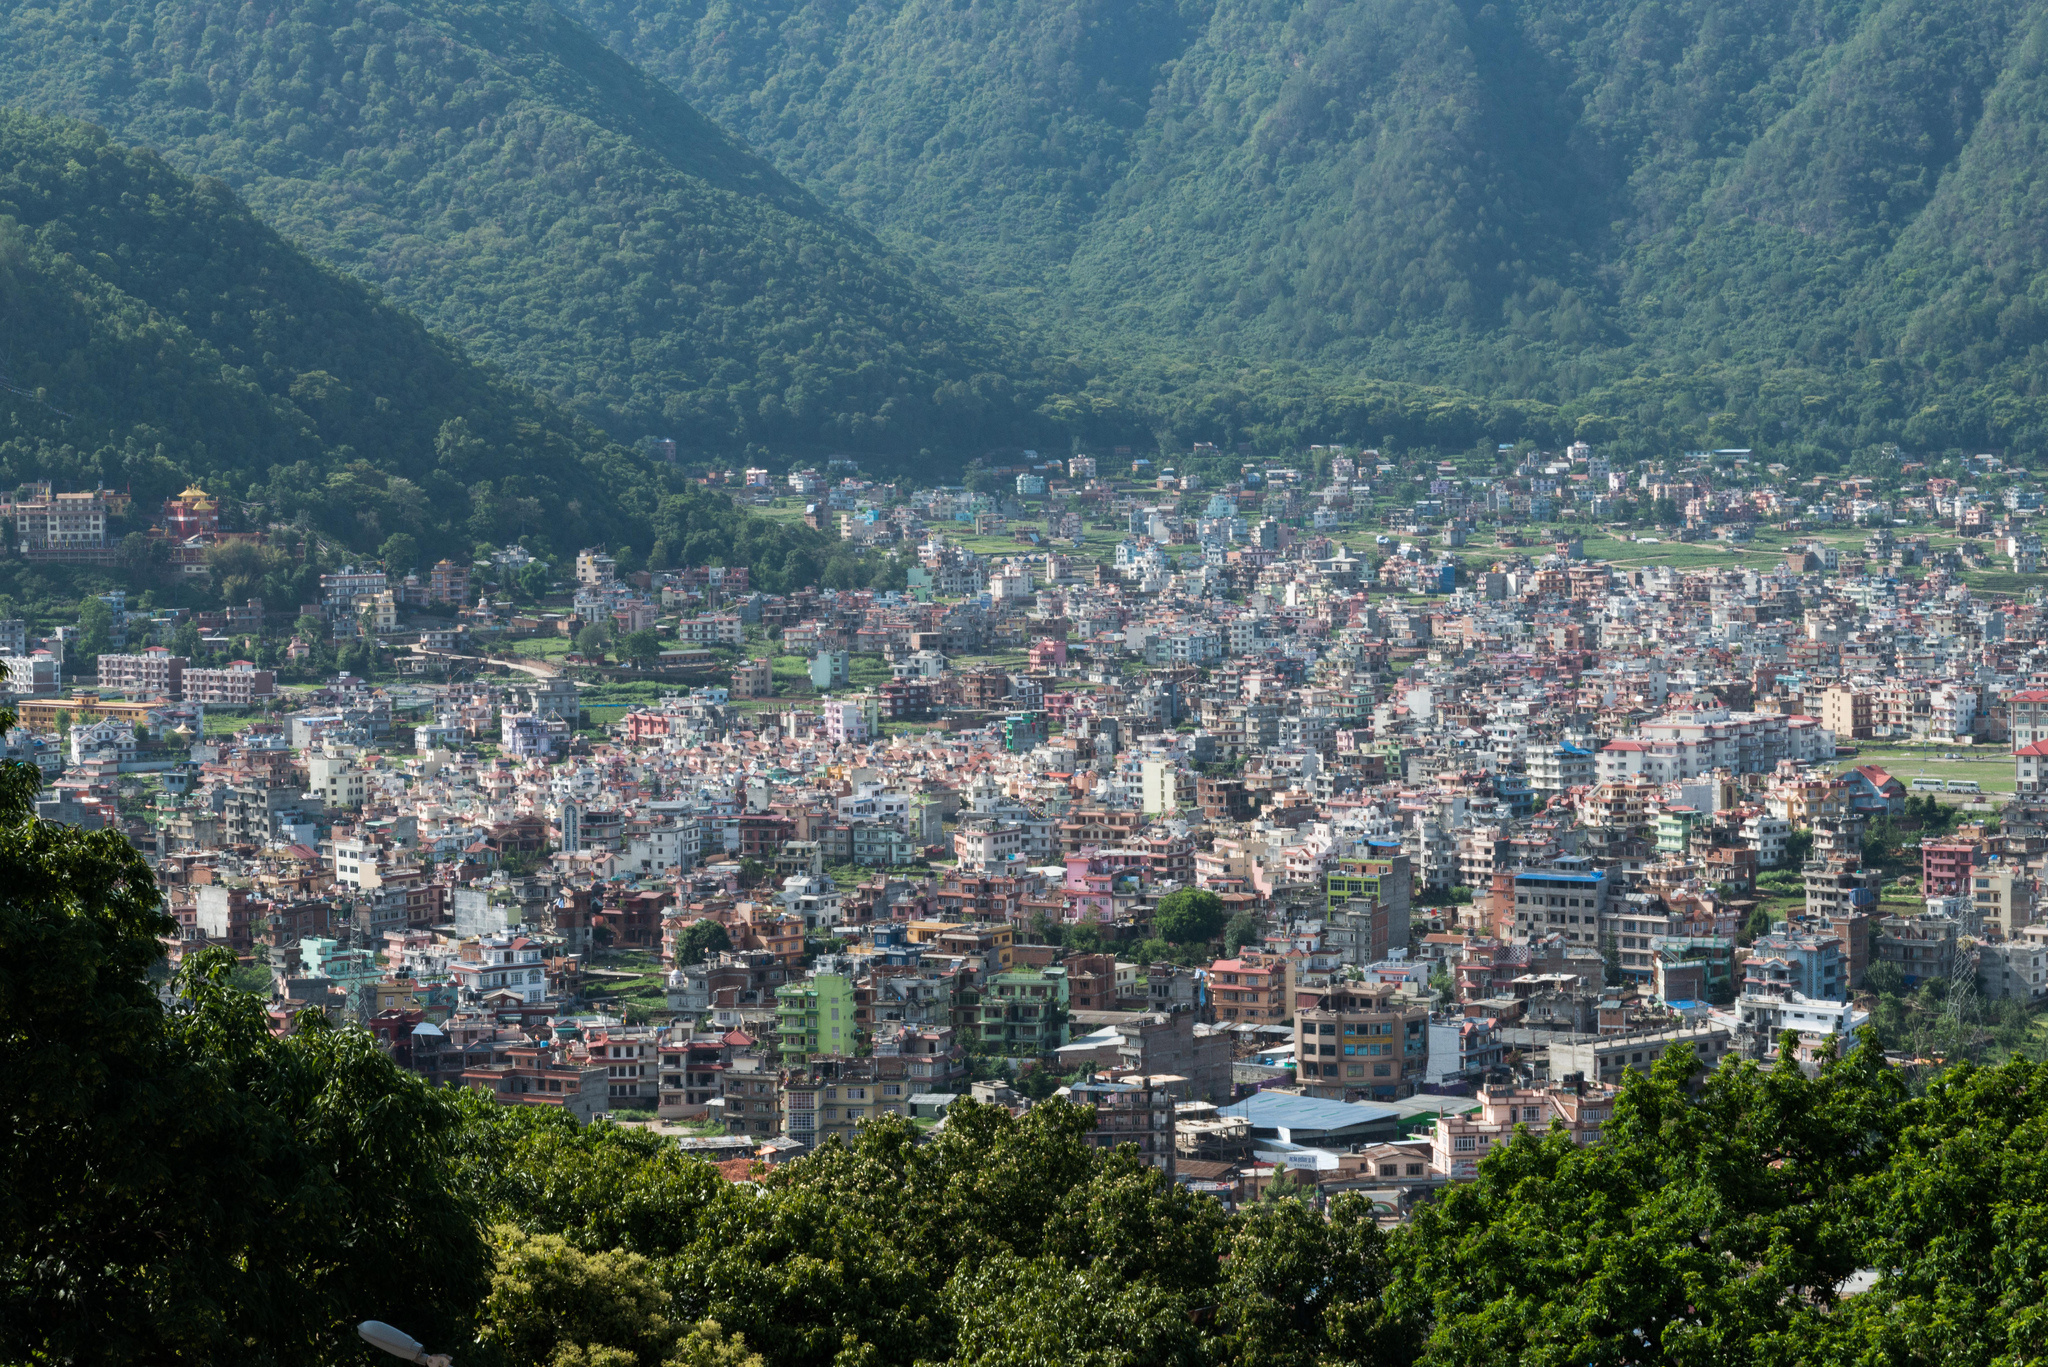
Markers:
point(1703, 220)
point(157, 333)
point(491, 166)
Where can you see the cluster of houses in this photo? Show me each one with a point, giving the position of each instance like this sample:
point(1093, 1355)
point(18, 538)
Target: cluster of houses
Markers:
point(1477, 838)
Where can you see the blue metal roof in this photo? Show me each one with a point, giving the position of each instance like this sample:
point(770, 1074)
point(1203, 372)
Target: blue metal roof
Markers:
point(1285, 1111)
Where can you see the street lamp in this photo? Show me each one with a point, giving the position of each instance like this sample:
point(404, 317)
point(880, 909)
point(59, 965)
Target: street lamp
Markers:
point(400, 1344)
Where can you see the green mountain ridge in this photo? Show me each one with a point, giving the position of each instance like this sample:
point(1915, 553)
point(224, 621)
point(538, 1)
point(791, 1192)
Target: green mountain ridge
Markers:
point(159, 333)
point(493, 168)
point(1701, 220)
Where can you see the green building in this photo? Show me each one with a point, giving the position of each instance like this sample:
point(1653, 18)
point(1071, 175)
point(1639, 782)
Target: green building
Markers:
point(1386, 877)
point(878, 845)
point(1674, 829)
point(830, 669)
point(1024, 1012)
point(1024, 731)
point(814, 1017)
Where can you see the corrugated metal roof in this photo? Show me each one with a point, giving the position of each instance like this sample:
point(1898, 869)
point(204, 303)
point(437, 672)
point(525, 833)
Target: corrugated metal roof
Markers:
point(1285, 1111)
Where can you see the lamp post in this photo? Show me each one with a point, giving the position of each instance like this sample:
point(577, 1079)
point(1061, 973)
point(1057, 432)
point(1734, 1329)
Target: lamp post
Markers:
point(400, 1344)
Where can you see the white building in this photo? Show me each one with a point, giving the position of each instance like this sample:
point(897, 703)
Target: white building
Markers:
point(1767, 836)
point(1554, 767)
point(845, 723)
point(1771, 1014)
point(814, 899)
point(503, 963)
point(983, 845)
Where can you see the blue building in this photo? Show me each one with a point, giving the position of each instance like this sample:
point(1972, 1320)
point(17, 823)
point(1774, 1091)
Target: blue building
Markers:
point(1787, 961)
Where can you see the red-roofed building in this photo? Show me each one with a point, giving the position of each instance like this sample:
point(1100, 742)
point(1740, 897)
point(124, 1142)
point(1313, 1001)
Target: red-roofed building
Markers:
point(1871, 789)
point(1945, 864)
point(1621, 760)
point(2028, 717)
point(1250, 990)
point(2030, 768)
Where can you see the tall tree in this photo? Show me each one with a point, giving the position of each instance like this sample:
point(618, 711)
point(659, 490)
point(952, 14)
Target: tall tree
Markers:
point(204, 1191)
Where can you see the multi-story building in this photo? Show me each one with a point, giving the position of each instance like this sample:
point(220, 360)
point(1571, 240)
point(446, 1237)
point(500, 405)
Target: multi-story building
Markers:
point(752, 679)
point(1694, 743)
point(1457, 1143)
point(62, 522)
point(750, 1097)
point(985, 843)
point(1607, 1058)
point(336, 778)
point(814, 1017)
point(632, 1065)
point(2030, 769)
point(1132, 1109)
point(1359, 1041)
point(1922, 948)
point(1253, 989)
point(1463, 1048)
point(152, 673)
point(340, 590)
point(1814, 965)
point(500, 965)
point(1768, 836)
point(846, 723)
point(2015, 970)
point(1846, 711)
point(1835, 887)
point(836, 1096)
point(2027, 716)
point(240, 684)
point(2002, 893)
point(1557, 768)
point(534, 1075)
point(448, 583)
point(1386, 876)
point(1566, 897)
point(36, 672)
point(1023, 1012)
point(690, 1076)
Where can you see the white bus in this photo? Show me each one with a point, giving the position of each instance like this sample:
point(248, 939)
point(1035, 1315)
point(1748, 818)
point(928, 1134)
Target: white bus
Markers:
point(1963, 785)
point(1927, 785)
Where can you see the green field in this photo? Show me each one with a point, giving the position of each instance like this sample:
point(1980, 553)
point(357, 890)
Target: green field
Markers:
point(647, 989)
point(229, 723)
point(2002, 583)
point(1990, 766)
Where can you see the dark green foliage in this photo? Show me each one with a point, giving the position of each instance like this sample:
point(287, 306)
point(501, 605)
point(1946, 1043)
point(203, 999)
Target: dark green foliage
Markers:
point(1560, 1254)
point(1711, 220)
point(159, 333)
point(202, 1191)
point(1190, 916)
point(1302, 1289)
point(700, 938)
point(1243, 929)
point(492, 167)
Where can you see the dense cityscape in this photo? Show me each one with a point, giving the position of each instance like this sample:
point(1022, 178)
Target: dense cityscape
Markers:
point(1298, 850)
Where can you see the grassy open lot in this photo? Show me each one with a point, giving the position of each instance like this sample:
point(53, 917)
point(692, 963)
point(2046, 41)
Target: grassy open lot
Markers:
point(1990, 766)
point(2002, 584)
point(230, 723)
point(647, 988)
